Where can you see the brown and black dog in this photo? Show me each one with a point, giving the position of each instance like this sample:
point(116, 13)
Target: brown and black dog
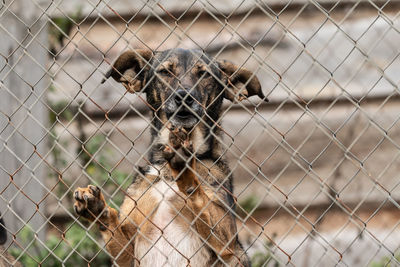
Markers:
point(179, 210)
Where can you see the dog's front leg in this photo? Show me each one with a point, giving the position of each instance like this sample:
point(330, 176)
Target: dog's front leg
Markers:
point(213, 221)
point(116, 233)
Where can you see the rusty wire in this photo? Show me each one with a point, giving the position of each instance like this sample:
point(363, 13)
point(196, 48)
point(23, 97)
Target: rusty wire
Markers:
point(317, 164)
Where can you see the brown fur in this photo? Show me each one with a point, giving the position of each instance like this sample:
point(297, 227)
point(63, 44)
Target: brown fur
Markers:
point(187, 177)
point(6, 260)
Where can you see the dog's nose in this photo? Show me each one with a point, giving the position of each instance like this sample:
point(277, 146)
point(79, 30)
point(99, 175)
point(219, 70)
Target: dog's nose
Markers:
point(182, 95)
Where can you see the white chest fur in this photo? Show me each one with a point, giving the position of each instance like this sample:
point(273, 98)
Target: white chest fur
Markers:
point(171, 243)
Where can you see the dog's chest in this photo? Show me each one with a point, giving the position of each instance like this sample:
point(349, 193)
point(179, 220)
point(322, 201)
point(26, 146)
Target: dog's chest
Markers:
point(172, 241)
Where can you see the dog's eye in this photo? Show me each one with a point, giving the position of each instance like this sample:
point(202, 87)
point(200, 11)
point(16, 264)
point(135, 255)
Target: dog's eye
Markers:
point(203, 73)
point(164, 72)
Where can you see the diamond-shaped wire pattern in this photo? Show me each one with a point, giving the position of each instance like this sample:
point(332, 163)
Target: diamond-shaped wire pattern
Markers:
point(315, 171)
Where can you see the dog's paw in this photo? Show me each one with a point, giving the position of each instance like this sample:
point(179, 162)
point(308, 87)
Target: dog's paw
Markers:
point(177, 137)
point(89, 202)
point(187, 147)
point(179, 148)
point(167, 152)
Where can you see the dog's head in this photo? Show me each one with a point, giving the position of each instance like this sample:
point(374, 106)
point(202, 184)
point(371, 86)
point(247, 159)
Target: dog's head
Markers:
point(184, 86)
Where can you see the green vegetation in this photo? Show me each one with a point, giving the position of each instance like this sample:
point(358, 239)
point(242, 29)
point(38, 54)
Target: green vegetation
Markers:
point(101, 170)
point(387, 261)
point(249, 204)
point(61, 110)
point(60, 29)
point(264, 257)
point(74, 247)
point(94, 154)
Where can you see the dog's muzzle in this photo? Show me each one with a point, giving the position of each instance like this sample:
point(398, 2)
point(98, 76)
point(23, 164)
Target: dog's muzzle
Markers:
point(183, 109)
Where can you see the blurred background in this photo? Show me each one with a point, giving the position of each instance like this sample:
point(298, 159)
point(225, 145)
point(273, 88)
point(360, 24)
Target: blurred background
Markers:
point(316, 169)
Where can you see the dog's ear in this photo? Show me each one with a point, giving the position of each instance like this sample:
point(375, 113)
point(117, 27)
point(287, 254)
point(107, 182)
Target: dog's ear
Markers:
point(233, 76)
point(130, 69)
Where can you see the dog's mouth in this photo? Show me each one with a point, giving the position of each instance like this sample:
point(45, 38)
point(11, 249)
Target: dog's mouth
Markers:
point(184, 117)
point(184, 113)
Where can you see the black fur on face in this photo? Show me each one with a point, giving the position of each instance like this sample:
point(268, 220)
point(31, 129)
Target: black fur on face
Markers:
point(185, 88)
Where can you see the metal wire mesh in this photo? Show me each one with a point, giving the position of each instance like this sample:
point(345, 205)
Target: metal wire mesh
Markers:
point(315, 170)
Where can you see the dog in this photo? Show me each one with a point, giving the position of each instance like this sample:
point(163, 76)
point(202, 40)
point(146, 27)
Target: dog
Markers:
point(179, 209)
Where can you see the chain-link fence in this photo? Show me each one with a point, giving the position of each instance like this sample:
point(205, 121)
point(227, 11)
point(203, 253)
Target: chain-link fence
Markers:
point(201, 169)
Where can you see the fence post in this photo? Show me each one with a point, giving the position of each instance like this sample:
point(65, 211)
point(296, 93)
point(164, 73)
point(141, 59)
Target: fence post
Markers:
point(23, 114)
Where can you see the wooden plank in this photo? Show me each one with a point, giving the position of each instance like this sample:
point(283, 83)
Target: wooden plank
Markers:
point(126, 8)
